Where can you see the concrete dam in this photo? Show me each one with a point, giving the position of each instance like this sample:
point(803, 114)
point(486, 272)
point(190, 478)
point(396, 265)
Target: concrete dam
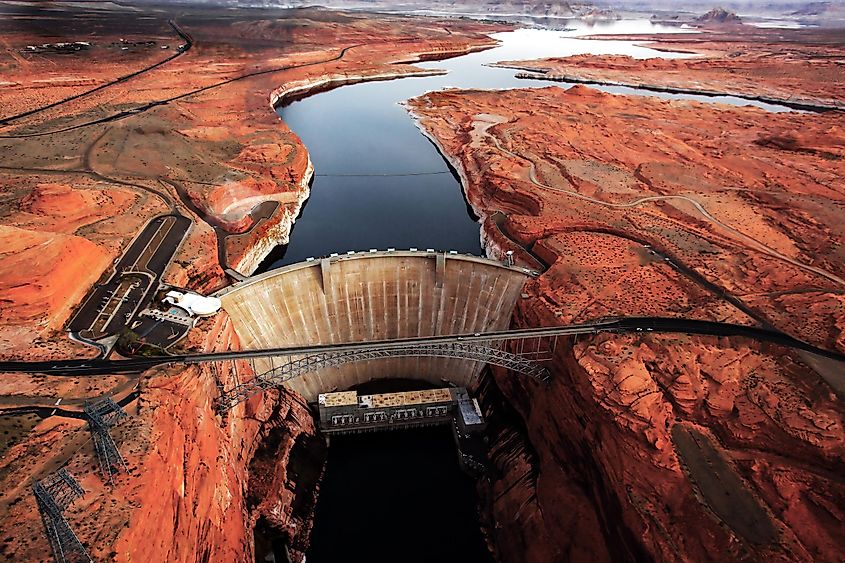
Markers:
point(370, 296)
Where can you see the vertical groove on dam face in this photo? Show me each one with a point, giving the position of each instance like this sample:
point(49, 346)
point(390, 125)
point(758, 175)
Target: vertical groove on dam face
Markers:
point(374, 296)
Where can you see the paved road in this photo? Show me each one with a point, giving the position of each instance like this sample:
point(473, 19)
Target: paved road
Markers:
point(73, 367)
point(45, 411)
point(189, 42)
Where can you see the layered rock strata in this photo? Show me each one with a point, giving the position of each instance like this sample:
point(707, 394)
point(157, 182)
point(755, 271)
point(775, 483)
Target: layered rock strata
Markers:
point(194, 134)
point(648, 207)
point(803, 69)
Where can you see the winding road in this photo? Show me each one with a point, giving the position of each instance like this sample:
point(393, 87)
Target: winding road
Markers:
point(189, 42)
point(748, 240)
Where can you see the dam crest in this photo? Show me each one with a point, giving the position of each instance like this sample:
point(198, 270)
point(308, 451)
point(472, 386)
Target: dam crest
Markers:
point(375, 296)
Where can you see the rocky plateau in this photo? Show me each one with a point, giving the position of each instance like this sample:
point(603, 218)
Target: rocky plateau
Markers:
point(805, 68)
point(640, 206)
point(643, 447)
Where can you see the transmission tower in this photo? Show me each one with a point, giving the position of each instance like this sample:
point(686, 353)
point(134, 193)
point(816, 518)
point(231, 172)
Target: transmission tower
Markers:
point(102, 416)
point(54, 494)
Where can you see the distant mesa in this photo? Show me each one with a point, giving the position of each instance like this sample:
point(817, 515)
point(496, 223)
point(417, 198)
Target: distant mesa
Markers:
point(719, 15)
point(813, 9)
point(598, 14)
point(544, 8)
point(553, 8)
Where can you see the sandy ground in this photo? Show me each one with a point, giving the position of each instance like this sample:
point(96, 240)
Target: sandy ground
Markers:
point(87, 159)
point(646, 207)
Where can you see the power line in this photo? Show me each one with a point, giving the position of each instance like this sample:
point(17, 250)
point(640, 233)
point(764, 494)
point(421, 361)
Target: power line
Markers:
point(102, 416)
point(54, 494)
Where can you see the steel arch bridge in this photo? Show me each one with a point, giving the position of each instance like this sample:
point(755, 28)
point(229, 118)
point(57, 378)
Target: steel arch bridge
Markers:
point(472, 351)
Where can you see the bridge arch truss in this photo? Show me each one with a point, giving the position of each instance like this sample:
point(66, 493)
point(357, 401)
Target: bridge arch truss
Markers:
point(298, 367)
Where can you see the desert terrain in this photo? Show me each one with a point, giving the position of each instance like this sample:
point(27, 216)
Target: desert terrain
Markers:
point(113, 115)
point(803, 68)
point(642, 206)
point(643, 447)
point(196, 134)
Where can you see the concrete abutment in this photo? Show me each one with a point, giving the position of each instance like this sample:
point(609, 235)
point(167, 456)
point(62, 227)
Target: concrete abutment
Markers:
point(361, 297)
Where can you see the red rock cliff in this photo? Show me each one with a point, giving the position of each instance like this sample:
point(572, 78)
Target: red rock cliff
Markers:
point(670, 448)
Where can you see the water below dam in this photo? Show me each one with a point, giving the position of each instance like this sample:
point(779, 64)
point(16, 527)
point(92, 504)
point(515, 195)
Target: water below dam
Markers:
point(391, 496)
point(381, 184)
point(396, 496)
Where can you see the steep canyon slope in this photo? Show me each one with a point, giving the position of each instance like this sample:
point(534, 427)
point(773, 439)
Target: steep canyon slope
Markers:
point(647, 207)
point(143, 117)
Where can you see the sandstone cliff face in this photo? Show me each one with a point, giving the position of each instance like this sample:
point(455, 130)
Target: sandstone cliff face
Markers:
point(516, 512)
point(613, 481)
point(245, 253)
point(644, 446)
point(205, 480)
point(197, 483)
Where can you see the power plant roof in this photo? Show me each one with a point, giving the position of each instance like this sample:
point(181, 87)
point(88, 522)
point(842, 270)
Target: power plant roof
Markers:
point(346, 398)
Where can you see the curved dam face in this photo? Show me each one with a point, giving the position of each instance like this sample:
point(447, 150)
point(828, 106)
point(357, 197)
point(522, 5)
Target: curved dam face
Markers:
point(375, 296)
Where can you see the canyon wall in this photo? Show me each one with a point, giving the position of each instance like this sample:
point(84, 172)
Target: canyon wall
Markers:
point(203, 482)
point(615, 475)
point(172, 126)
point(197, 483)
point(660, 447)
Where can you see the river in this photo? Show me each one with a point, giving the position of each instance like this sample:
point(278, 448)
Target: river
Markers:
point(380, 183)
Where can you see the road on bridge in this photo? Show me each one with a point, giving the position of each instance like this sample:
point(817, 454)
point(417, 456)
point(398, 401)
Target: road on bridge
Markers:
point(74, 367)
